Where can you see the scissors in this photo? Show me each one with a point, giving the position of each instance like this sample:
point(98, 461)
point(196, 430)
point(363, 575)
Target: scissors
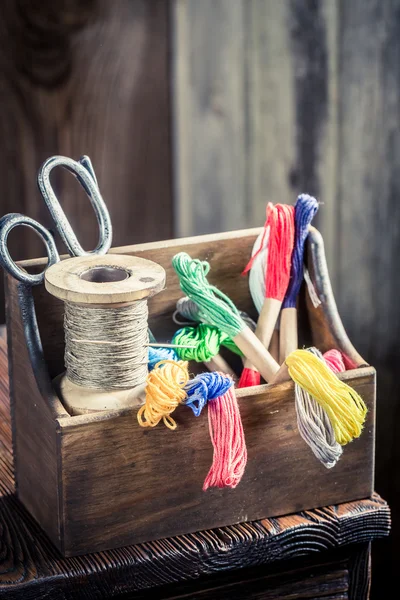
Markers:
point(83, 171)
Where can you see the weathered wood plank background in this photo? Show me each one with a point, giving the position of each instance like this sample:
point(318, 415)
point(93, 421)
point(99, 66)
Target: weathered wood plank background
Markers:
point(87, 77)
point(234, 103)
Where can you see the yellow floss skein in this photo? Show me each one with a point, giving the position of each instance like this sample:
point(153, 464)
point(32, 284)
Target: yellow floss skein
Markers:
point(345, 408)
point(164, 392)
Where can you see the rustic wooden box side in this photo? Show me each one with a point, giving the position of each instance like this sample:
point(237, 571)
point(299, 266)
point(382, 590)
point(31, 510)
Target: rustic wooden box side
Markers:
point(107, 482)
point(35, 440)
point(123, 484)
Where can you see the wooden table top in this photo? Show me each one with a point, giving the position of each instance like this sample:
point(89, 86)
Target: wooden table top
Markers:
point(31, 568)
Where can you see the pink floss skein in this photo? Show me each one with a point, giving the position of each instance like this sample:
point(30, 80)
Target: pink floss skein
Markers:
point(334, 360)
point(227, 435)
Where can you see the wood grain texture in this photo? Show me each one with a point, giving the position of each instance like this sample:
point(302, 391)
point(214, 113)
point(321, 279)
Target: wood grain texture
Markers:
point(31, 568)
point(274, 109)
point(209, 109)
point(88, 78)
point(270, 108)
point(335, 574)
point(38, 446)
point(139, 476)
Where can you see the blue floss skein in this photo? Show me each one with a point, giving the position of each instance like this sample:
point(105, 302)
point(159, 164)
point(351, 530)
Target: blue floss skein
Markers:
point(157, 354)
point(205, 387)
point(305, 208)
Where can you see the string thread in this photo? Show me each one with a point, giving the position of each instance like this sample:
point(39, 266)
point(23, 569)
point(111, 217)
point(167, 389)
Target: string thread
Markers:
point(105, 347)
point(205, 387)
point(157, 355)
point(215, 307)
point(227, 435)
point(314, 425)
point(190, 311)
point(206, 341)
point(281, 240)
point(164, 392)
point(305, 208)
point(345, 407)
point(258, 271)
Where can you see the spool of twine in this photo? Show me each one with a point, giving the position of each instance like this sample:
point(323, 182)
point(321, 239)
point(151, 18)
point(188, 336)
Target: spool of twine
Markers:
point(106, 330)
point(105, 348)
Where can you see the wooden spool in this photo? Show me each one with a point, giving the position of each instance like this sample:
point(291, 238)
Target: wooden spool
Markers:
point(102, 281)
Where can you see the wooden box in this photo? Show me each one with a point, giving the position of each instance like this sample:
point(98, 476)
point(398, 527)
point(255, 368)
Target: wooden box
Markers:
point(95, 482)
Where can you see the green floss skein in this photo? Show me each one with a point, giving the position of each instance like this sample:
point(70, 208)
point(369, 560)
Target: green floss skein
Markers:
point(206, 340)
point(215, 308)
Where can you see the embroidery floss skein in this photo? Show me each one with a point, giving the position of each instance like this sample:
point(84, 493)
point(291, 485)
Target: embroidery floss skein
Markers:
point(345, 407)
point(305, 208)
point(205, 387)
point(334, 360)
point(314, 425)
point(203, 344)
point(225, 424)
point(217, 309)
point(281, 240)
point(250, 377)
point(257, 277)
point(227, 435)
point(158, 354)
point(164, 392)
point(280, 219)
point(190, 311)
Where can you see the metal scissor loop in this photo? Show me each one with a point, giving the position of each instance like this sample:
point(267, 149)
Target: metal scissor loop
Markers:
point(7, 223)
point(84, 172)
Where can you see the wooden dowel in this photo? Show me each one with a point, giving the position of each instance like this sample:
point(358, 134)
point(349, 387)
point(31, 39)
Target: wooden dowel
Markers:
point(288, 338)
point(266, 321)
point(282, 375)
point(274, 345)
point(256, 353)
point(265, 326)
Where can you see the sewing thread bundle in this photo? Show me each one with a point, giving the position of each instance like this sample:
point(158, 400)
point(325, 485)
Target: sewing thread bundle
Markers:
point(202, 342)
point(313, 422)
point(344, 406)
point(305, 208)
point(168, 386)
point(157, 354)
point(164, 392)
point(257, 276)
point(217, 309)
point(280, 221)
point(189, 310)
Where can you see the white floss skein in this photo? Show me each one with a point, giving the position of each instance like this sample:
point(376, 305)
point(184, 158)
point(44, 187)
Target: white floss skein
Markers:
point(257, 276)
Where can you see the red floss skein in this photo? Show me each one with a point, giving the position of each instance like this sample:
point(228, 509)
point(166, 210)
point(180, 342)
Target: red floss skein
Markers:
point(249, 378)
point(280, 247)
point(227, 435)
point(281, 220)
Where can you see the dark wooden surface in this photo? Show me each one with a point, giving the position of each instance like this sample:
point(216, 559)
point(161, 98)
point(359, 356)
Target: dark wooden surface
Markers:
point(86, 77)
point(94, 468)
point(30, 568)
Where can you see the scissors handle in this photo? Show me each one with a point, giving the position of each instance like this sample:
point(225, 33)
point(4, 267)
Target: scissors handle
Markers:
point(7, 223)
point(83, 171)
